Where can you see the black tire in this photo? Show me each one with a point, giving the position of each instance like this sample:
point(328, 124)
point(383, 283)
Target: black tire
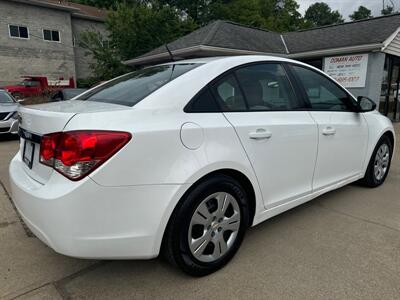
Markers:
point(176, 242)
point(370, 179)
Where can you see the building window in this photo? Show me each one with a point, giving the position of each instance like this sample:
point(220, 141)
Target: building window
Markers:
point(20, 32)
point(51, 35)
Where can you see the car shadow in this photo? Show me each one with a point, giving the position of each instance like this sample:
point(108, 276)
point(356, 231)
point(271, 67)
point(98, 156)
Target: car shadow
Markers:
point(8, 137)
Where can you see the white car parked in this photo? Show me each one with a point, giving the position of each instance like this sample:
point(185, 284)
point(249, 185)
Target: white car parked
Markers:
point(183, 157)
point(8, 114)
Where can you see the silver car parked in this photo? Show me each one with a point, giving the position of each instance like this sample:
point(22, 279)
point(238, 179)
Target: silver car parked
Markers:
point(8, 113)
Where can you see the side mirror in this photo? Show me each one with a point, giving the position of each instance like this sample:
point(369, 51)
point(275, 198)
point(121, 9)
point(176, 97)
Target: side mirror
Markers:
point(365, 104)
point(20, 100)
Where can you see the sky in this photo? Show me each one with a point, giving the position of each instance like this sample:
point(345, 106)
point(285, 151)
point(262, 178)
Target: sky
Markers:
point(346, 7)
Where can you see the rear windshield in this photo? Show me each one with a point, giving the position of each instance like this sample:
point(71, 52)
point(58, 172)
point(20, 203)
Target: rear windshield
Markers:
point(133, 87)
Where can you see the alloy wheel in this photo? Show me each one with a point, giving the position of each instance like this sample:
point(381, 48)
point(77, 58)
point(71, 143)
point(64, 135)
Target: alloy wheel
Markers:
point(381, 162)
point(214, 227)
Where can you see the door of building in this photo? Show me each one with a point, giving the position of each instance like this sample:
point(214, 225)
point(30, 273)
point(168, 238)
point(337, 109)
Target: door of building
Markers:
point(390, 98)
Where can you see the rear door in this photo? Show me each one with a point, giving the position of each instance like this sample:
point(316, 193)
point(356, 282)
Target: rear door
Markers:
point(279, 137)
point(342, 132)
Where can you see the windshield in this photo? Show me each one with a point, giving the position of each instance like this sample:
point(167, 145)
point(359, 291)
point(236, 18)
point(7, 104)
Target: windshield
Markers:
point(133, 87)
point(5, 98)
point(29, 83)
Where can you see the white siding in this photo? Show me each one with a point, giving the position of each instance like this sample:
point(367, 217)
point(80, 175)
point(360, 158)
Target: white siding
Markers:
point(394, 46)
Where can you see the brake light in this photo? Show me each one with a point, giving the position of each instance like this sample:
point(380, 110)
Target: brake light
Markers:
point(75, 154)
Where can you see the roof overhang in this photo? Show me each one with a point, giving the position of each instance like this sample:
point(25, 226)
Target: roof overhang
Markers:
point(337, 51)
point(387, 42)
point(75, 12)
point(391, 44)
point(203, 51)
point(87, 17)
point(48, 5)
point(195, 51)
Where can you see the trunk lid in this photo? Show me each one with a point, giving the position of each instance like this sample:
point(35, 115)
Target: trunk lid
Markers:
point(38, 120)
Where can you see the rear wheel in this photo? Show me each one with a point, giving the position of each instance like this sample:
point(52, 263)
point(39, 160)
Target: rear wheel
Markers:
point(206, 230)
point(379, 164)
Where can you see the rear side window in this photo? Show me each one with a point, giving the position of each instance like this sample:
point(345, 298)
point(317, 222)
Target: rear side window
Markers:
point(267, 88)
point(203, 102)
point(133, 87)
point(228, 94)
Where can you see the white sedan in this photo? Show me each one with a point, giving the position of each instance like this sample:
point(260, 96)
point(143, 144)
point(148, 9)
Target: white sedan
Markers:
point(182, 158)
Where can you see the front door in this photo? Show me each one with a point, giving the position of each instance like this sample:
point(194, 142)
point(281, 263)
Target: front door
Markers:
point(279, 139)
point(342, 133)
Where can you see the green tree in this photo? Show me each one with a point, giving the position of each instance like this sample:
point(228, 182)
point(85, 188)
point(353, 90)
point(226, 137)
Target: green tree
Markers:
point(98, 3)
point(110, 3)
point(281, 15)
point(361, 13)
point(137, 29)
point(138, 26)
point(277, 15)
point(388, 10)
point(320, 14)
point(106, 59)
point(133, 30)
point(198, 10)
point(246, 12)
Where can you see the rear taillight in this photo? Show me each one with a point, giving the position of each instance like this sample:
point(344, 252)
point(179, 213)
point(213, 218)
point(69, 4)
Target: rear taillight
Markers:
point(75, 154)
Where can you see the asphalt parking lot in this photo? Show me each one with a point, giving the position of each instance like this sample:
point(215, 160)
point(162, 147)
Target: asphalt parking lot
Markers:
point(342, 245)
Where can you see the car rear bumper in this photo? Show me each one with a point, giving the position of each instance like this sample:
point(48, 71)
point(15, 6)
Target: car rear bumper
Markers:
point(9, 126)
point(86, 220)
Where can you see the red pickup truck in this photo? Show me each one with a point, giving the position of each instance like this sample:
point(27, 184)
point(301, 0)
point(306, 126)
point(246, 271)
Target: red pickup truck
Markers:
point(38, 85)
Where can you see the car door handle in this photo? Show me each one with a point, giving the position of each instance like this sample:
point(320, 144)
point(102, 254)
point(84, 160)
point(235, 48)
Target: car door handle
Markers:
point(260, 134)
point(329, 131)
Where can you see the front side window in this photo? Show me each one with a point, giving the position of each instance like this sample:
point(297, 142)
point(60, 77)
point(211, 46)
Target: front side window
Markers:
point(322, 93)
point(133, 87)
point(17, 31)
point(266, 87)
point(228, 94)
point(51, 35)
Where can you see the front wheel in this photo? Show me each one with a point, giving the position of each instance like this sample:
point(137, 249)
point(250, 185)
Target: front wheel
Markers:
point(207, 228)
point(379, 164)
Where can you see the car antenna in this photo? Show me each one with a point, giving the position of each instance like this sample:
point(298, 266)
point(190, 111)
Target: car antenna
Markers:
point(170, 53)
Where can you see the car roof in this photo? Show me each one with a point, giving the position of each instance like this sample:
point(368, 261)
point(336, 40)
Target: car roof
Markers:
point(244, 58)
point(210, 68)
